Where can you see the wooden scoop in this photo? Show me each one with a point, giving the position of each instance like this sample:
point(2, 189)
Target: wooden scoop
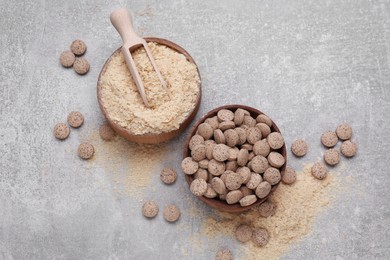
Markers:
point(122, 21)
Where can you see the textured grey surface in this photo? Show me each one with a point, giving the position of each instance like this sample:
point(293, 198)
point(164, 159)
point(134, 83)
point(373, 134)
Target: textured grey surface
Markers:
point(308, 64)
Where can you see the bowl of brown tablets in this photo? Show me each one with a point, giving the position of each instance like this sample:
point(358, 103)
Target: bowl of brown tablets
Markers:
point(170, 113)
point(234, 157)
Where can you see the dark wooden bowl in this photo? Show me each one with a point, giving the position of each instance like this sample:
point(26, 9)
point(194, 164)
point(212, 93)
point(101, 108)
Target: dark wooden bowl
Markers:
point(150, 138)
point(217, 203)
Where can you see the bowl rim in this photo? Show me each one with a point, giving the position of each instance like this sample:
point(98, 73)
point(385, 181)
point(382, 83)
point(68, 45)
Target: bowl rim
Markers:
point(151, 138)
point(217, 203)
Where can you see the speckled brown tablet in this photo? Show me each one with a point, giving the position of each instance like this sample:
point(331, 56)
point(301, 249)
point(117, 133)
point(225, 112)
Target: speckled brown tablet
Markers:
point(189, 166)
point(233, 181)
point(224, 175)
point(171, 213)
point(78, 47)
point(225, 125)
point(210, 193)
point(209, 148)
point(259, 164)
point(251, 155)
point(198, 187)
point(168, 175)
point(260, 236)
point(264, 129)
point(213, 122)
point(275, 140)
point(264, 119)
point(204, 163)
point(222, 196)
point(216, 168)
point(195, 140)
point(247, 146)
point(67, 59)
point(246, 191)
point(242, 157)
point(272, 175)
point(205, 130)
point(209, 177)
point(198, 153)
point(106, 132)
point(263, 189)
point(224, 254)
point(61, 131)
point(319, 171)
point(266, 209)
point(233, 153)
point(276, 159)
point(243, 233)
point(348, 148)
point(249, 164)
point(225, 115)
point(239, 116)
point(254, 181)
point(150, 209)
point(241, 135)
point(209, 142)
point(218, 185)
point(299, 147)
point(231, 137)
point(75, 119)
point(249, 121)
point(85, 151)
point(219, 137)
point(261, 148)
point(231, 165)
point(221, 152)
point(289, 176)
point(329, 139)
point(344, 131)
point(253, 135)
point(81, 66)
point(201, 174)
point(245, 174)
point(234, 196)
point(248, 200)
point(332, 157)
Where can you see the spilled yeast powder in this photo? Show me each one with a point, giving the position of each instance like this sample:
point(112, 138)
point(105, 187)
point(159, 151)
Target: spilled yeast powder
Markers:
point(131, 167)
point(123, 103)
point(297, 206)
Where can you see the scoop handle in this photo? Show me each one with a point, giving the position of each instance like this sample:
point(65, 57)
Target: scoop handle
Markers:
point(123, 23)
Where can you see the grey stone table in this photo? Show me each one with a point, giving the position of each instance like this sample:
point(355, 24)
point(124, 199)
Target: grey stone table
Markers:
point(308, 64)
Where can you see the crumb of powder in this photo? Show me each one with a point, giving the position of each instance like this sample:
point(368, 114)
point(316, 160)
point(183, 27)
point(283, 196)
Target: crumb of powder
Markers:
point(297, 207)
point(130, 166)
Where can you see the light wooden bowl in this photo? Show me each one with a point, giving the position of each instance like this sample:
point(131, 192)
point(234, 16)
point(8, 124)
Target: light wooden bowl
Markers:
point(150, 138)
point(216, 202)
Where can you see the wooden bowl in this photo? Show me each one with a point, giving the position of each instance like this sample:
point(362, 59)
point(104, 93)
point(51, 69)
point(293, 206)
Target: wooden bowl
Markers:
point(150, 138)
point(217, 203)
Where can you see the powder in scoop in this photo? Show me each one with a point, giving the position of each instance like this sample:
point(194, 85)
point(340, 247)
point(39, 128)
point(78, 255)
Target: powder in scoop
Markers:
point(123, 103)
